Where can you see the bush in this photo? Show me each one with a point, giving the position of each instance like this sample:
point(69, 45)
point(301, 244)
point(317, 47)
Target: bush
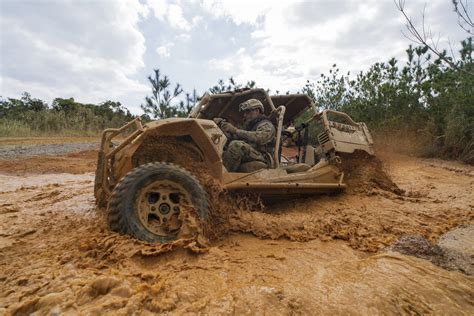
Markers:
point(33, 117)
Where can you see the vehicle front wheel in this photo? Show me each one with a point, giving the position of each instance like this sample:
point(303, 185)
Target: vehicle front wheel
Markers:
point(148, 201)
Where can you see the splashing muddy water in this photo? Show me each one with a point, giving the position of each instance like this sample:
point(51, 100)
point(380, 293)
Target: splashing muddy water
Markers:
point(309, 256)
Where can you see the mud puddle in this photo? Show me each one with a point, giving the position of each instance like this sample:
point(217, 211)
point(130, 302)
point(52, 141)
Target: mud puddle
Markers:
point(315, 254)
point(454, 250)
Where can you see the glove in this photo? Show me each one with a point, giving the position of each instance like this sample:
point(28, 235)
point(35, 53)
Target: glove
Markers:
point(218, 120)
point(226, 127)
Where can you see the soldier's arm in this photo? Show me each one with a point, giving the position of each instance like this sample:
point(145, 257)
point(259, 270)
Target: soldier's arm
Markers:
point(264, 134)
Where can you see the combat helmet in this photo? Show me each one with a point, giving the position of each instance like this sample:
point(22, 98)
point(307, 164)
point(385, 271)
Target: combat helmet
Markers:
point(251, 104)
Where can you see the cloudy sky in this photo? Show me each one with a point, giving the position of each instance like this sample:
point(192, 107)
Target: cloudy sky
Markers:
point(97, 50)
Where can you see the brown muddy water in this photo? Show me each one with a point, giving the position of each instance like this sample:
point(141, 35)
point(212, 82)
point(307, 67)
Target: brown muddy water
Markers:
point(325, 255)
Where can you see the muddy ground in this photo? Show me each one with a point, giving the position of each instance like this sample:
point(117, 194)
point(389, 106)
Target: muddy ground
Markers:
point(371, 250)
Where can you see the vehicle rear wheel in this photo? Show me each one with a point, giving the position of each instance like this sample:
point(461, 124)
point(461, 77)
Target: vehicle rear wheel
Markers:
point(148, 201)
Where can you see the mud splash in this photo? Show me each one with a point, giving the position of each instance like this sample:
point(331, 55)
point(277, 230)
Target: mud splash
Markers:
point(58, 256)
point(222, 206)
point(376, 212)
point(367, 174)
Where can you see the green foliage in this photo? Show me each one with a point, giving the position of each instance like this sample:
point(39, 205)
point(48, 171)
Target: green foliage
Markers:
point(222, 87)
point(424, 97)
point(160, 105)
point(421, 98)
point(28, 117)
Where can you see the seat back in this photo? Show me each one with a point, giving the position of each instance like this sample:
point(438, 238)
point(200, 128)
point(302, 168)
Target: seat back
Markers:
point(277, 117)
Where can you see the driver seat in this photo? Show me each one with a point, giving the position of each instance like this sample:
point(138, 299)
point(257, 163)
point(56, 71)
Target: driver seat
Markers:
point(273, 161)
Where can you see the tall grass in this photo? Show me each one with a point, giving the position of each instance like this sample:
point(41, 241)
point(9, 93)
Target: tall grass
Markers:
point(18, 120)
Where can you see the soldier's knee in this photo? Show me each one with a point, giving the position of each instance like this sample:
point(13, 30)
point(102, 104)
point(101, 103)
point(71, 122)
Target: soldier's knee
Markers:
point(236, 146)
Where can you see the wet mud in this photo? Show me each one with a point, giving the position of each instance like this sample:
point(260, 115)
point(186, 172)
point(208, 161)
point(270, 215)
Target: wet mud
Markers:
point(329, 255)
point(75, 163)
point(454, 251)
point(367, 174)
point(221, 204)
point(30, 150)
point(374, 212)
point(33, 155)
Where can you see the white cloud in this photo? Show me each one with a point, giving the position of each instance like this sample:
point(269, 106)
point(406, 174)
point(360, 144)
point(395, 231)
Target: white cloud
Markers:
point(170, 12)
point(64, 49)
point(299, 40)
point(196, 20)
point(164, 50)
point(243, 11)
point(184, 37)
point(176, 18)
point(159, 8)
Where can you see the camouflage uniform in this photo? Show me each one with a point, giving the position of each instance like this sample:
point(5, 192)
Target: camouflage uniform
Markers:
point(250, 144)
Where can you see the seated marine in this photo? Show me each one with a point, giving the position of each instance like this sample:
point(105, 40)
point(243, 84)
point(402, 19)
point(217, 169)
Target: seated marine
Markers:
point(255, 142)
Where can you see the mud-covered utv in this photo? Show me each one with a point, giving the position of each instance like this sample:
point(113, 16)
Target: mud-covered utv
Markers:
point(150, 177)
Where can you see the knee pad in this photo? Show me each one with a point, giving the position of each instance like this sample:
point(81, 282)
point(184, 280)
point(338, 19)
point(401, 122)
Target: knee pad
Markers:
point(235, 146)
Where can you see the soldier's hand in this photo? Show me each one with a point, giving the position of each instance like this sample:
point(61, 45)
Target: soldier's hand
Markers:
point(226, 127)
point(218, 120)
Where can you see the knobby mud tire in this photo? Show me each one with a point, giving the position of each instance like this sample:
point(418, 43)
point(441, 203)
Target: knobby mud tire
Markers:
point(122, 213)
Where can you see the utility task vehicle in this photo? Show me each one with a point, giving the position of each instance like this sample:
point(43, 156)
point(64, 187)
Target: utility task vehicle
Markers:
point(147, 185)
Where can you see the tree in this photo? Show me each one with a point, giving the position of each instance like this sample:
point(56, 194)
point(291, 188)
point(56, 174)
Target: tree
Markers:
point(464, 19)
point(159, 105)
point(31, 116)
point(221, 86)
point(420, 97)
point(67, 106)
point(191, 100)
point(35, 105)
point(330, 91)
point(14, 108)
point(423, 36)
point(110, 108)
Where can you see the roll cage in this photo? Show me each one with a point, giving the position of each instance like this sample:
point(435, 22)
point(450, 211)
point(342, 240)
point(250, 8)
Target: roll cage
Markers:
point(337, 131)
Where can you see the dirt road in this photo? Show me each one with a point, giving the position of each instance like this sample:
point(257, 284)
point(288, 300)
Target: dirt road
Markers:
point(324, 255)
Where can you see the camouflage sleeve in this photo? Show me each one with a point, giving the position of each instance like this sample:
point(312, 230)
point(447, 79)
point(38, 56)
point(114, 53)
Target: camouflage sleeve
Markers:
point(264, 134)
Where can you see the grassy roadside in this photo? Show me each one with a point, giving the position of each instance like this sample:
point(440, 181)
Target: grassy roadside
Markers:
point(35, 140)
